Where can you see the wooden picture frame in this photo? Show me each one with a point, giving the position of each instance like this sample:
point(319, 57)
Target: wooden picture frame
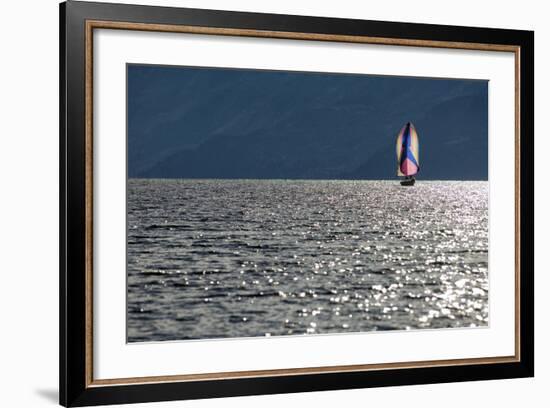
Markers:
point(78, 20)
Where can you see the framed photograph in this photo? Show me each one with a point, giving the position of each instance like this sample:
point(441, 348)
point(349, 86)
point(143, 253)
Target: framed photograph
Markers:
point(256, 203)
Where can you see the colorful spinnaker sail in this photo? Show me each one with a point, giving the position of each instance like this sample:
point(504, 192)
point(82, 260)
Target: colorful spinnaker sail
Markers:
point(407, 151)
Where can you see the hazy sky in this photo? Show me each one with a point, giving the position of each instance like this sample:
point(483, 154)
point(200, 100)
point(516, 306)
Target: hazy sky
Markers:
point(234, 123)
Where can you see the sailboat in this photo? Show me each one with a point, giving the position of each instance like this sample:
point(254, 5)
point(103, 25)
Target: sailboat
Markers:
point(407, 154)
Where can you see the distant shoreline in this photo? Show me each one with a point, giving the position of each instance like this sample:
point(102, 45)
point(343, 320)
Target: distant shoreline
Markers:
point(420, 180)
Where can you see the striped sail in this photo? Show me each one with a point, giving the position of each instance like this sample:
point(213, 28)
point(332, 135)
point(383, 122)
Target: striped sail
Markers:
point(407, 151)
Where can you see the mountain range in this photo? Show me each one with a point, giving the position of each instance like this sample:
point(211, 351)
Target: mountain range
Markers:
point(188, 122)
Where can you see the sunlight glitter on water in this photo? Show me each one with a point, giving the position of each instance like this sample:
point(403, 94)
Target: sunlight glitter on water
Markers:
point(241, 258)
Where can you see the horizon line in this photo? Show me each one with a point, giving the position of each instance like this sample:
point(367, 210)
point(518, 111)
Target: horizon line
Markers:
point(292, 179)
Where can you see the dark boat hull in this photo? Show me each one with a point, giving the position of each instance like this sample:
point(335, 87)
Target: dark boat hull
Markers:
point(408, 182)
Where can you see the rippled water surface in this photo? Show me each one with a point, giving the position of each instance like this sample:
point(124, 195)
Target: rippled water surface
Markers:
point(241, 258)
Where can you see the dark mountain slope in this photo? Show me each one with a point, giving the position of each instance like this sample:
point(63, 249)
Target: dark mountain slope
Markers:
point(215, 123)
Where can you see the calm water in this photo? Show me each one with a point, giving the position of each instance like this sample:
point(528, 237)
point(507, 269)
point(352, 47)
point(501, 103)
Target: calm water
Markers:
point(240, 258)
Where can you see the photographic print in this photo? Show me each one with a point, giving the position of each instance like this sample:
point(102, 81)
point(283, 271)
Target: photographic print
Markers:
point(282, 203)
